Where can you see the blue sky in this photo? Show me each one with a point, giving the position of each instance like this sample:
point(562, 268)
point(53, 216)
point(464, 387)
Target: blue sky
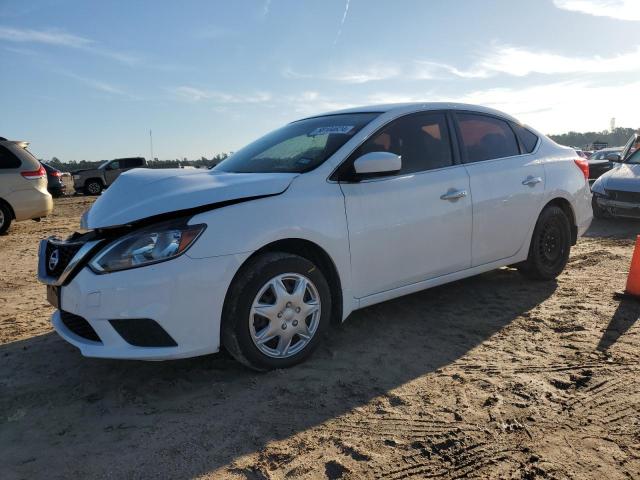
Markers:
point(88, 79)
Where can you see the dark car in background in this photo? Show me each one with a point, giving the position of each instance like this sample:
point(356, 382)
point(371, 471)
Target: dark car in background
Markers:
point(600, 162)
point(55, 185)
point(93, 180)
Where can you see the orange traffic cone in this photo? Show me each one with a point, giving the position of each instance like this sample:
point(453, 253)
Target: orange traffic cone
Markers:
point(633, 279)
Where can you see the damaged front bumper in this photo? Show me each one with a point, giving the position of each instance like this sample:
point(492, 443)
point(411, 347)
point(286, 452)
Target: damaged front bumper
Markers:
point(617, 208)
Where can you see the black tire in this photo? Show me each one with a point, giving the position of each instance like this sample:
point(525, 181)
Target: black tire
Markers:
point(248, 282)
point(93, 187)
point(5, 218)
point(550, 246)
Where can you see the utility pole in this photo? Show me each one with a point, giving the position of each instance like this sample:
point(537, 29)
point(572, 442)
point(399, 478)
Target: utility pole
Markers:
point(151, 143)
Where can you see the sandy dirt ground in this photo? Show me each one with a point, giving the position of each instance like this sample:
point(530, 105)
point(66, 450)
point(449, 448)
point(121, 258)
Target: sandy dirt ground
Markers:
point(492, 377)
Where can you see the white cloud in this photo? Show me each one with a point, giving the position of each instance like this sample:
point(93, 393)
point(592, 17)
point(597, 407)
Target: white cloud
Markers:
point(193, 94)
point(563, 106)
point(499, 60)
point(266, 8)
point(99, 85)
point(371, 73)
point(50, 37)
point(619, 9)
point(63, 39)
point(520, 62)
point(344, 18)
point(213, 32)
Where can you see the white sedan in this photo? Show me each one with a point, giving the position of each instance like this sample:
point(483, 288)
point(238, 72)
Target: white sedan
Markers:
point(300, 228)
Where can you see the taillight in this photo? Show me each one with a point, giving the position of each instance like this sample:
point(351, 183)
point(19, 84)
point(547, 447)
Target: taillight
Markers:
point(56, 174)
point(35, 174)
point(583, 165)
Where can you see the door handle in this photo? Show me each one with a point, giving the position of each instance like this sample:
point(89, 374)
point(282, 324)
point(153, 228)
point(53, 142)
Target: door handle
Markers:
point(453, 194)
point(531, 181)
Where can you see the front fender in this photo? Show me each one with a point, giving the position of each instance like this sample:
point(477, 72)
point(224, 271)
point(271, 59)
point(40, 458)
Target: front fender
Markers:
point(308, 210)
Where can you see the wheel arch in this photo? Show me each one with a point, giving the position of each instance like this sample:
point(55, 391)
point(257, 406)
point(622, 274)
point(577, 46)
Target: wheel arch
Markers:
point(314, 253)
point(8, 205)
point(567, 208)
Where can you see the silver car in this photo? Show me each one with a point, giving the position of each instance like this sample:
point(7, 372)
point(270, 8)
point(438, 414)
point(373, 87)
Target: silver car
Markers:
point(617, 192)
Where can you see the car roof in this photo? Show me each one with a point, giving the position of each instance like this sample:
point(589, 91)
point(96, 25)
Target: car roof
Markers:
point(401, 108)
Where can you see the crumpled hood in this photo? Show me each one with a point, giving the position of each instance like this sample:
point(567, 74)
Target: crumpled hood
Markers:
point(143, 193)
point(623, 176)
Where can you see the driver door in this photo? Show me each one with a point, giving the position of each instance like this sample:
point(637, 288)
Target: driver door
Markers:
point(413, 225)
point(111, 171)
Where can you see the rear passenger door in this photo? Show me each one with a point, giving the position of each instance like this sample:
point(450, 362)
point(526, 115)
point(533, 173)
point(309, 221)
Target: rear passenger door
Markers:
point(507, 184)
point(413, 225)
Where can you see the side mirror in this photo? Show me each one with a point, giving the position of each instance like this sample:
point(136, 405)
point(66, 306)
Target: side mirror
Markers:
point(377, 162)
point(614, 157)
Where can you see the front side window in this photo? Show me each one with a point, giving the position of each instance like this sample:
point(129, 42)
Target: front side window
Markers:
point(486, 138)
point(298, 147)
point(113, 165)
point(634, 158)
point(421, 140)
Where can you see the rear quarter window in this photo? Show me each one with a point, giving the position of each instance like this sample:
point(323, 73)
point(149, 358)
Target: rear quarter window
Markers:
point(7, 159)
point(528, 139)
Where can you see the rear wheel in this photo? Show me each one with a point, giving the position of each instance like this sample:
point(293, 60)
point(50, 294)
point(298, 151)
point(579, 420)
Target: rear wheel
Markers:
point(276, 310)
point(5, 218)
point(550, 246)
point(93, 187)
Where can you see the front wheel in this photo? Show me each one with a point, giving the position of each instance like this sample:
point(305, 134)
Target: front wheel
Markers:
point(275, 312)
point(550, 246)
point(93, 187)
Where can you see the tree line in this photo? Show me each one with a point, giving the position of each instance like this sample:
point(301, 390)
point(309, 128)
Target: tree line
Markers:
point(615, 138)
point(203, 162)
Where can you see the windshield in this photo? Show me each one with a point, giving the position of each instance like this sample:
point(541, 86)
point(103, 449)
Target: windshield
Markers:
point(104, 164)
point(631, 146)
point(298, 147)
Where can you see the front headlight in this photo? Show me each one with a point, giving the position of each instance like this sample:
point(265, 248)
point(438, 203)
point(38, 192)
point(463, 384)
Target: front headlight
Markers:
point(598, 188)
point(149, 245)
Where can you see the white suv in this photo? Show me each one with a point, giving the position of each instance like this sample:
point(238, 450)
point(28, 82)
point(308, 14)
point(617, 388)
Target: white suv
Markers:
point(324, 216)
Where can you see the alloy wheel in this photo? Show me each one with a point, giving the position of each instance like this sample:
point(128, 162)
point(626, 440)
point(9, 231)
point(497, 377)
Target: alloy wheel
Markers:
point(285, 315)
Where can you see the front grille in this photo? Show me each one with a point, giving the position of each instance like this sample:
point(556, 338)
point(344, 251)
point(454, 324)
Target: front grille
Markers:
point(65, 252)
point(622, 196)
point(79, 326)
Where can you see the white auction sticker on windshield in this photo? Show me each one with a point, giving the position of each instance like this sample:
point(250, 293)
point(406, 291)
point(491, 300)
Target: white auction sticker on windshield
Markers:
point(340, 129)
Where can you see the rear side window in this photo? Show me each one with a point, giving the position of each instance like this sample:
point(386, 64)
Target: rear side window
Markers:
point(421, 140)
point(528, 139)
point(486, 138)
point(130, 162)
point(8, 159)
